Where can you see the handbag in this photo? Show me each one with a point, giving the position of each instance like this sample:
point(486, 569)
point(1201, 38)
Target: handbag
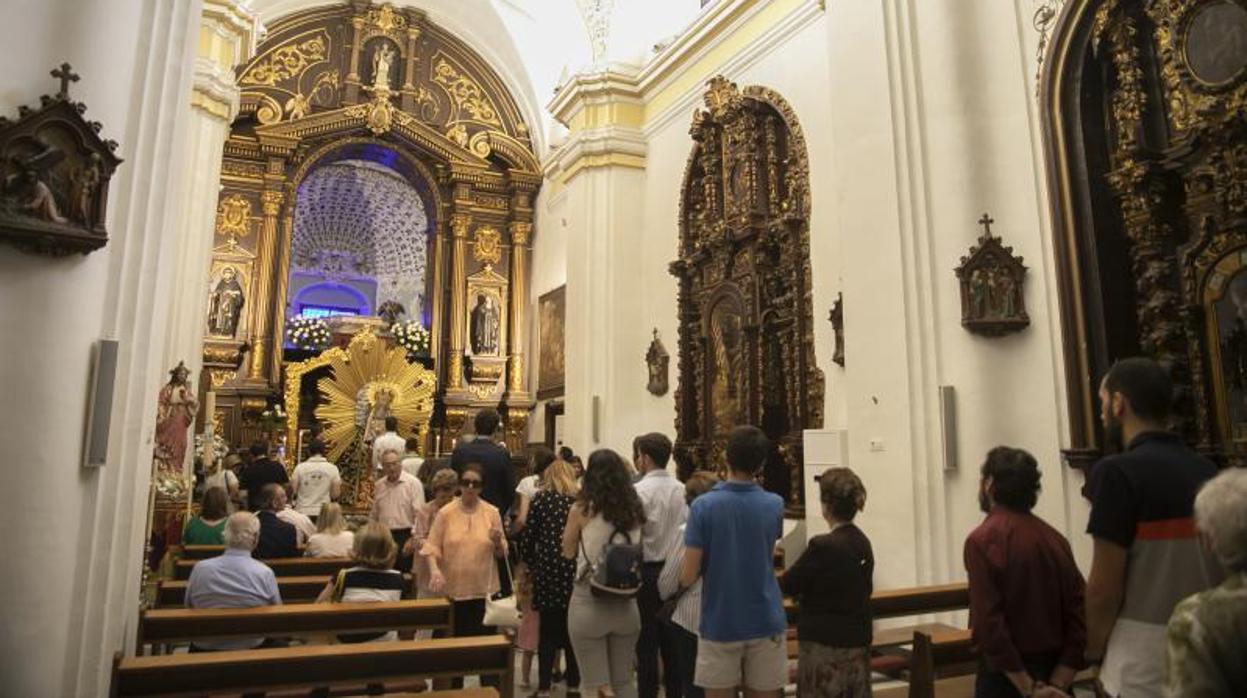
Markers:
point(503, 612)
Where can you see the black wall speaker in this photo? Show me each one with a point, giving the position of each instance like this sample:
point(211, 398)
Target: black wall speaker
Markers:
point(100, 402)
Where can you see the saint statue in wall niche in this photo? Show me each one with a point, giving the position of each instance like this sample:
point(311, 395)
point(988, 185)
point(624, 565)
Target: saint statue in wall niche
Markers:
point(485, 325)
point(383, 57)
point(225, 305)
point(175, 411)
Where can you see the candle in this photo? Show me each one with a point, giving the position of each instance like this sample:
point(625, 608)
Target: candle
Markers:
point(209, 411)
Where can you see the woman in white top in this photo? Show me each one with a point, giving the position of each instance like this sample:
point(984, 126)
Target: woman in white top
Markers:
point(224, 478)
point(331, 538)
point(687, 614)
point(603, 631)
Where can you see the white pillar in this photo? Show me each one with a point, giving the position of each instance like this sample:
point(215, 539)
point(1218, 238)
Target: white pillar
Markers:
point(228, 33)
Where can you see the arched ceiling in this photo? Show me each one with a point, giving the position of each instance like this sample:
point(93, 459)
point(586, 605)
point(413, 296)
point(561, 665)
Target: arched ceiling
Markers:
point(535, 44)
point(359, 218)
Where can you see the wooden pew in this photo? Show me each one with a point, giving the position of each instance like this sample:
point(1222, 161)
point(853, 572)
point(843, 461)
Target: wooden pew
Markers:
point(185, 625)
point(283, 566)
point(306, 667)
point(294, 590)
point(909, 601)
point(939, 655)
point(203, 552)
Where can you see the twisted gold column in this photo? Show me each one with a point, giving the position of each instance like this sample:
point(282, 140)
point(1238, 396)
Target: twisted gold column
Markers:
point(521, 234)
point(261, 333)
point(460, 223)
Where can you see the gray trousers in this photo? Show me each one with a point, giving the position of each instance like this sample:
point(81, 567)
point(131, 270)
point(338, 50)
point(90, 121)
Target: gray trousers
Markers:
point(604, 634)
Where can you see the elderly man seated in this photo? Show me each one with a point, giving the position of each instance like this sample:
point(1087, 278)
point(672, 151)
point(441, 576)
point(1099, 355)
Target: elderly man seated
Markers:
point(277, 537)
point(233, 580)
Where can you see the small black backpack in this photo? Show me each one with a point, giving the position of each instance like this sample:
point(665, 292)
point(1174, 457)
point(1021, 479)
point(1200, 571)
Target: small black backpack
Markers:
point(617, 573)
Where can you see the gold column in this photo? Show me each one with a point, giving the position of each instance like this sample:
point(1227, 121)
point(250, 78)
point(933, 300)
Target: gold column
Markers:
point(357, 23)
point(279, 298)
point(521, 234)
point(263, 299)
point(460, 223)
point(413, 33)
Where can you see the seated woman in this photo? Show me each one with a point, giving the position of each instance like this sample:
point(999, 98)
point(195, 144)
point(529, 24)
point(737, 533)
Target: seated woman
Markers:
point(371, 579)
point(209, 527)
point(832, 582)
point(331, 538)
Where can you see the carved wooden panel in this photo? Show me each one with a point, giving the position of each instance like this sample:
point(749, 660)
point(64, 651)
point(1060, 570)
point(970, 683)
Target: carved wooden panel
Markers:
point(1144, 113)
point(746, 344)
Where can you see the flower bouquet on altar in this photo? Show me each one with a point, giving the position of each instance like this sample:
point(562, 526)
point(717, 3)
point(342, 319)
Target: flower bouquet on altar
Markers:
point(309, 333)
point(273, 418)
point(412, 336)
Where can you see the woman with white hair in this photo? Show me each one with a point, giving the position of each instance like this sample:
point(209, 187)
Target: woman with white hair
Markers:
point(1208, 631)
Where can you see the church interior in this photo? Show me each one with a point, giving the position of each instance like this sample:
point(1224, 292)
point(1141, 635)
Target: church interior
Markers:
point(891, 235)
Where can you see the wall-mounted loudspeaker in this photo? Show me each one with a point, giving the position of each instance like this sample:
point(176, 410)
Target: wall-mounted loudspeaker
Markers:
point(948, 426)
point(100, 402)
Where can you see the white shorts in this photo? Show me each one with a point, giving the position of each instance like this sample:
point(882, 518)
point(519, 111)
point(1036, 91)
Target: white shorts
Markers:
point(760, 664)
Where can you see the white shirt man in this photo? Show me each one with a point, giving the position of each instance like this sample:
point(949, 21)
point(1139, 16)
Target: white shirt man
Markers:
point(397, 497)
point(389, 441)
point(315, 481)
point(411, 459)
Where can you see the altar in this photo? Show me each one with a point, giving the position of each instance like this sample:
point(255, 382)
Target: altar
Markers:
point(344, 395)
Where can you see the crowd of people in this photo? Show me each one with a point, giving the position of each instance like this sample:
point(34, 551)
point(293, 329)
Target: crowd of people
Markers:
point(631, 581)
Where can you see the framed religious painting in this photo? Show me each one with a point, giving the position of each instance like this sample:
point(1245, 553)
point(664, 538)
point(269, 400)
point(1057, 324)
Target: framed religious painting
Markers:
point(551, 313)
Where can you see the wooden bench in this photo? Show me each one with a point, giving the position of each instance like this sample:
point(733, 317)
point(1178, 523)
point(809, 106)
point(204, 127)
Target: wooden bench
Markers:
point(283, 566)
point(307, 667)
point(203, 552)
point(294, 590)
point(939, 655)
point(183, 625)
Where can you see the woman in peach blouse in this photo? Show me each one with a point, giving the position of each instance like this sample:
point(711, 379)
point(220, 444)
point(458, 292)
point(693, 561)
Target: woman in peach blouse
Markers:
point(461, 549)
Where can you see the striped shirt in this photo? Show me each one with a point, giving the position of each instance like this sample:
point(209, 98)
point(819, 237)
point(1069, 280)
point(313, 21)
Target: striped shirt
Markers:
point(688, 609)
point(363, 584)
point(662, 496)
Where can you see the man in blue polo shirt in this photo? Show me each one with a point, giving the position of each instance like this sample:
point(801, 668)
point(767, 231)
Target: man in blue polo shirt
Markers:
point(730, 541)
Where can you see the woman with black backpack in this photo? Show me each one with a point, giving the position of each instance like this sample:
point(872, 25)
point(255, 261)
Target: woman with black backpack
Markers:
point(603, 535)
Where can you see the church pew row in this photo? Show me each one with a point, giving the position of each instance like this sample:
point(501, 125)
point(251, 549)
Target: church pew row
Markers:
point(307, 667)
point(282, 566)
point(293, 590)
point(160, 627)
point(203, 552)
point(938, 656)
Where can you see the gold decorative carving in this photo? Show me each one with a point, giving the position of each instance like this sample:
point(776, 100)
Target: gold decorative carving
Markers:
point(746, 344)
point(243, 170)
point(487, 246)
point(287, 61)
point(491, 201)
point(521, 233)
point(220, 377)
point(470, 101)
point(482, 391)
point(271, 201)
point(233, 219)
point(386, 19)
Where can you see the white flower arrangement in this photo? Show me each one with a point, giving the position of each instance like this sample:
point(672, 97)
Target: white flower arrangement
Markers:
point(219, 448)
point(412, 336)
point(309, 333)
point(274, 416)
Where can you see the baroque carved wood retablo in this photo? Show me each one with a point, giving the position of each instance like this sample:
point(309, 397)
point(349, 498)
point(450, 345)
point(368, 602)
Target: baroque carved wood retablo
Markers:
point(54, 174)
point(746, 344)
point(369, 94)
point(992, 278)
point(1145, 117)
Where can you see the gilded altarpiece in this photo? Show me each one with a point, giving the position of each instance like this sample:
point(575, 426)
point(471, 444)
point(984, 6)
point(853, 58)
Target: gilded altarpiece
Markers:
point(1145, 107)
point(327, 85)
point(746, 343)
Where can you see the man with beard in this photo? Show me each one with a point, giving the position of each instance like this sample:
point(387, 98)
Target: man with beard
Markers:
point(1147, 555)
point(1026, 593)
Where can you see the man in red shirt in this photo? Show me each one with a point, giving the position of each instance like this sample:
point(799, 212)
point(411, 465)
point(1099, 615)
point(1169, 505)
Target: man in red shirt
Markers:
point(1026, 593)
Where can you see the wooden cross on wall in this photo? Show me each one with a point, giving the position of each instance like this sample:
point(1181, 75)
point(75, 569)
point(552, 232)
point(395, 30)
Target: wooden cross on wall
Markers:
point(986, 221)
point(66, 75)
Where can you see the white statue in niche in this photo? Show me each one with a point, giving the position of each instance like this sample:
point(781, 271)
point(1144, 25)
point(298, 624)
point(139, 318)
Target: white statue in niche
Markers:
point(382, 64)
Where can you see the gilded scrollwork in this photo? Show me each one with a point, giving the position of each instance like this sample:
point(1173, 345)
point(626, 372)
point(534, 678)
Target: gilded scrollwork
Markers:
point(746, 345)
point(471, 103)
point(288, 61)
point(233, 220)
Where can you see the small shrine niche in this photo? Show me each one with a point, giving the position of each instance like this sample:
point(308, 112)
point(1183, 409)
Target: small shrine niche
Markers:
point(657, 361)
point(54, 175)
point(992, 301)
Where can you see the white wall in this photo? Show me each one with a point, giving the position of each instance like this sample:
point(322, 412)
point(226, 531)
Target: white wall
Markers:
point(918, 117)
point(72, 540)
